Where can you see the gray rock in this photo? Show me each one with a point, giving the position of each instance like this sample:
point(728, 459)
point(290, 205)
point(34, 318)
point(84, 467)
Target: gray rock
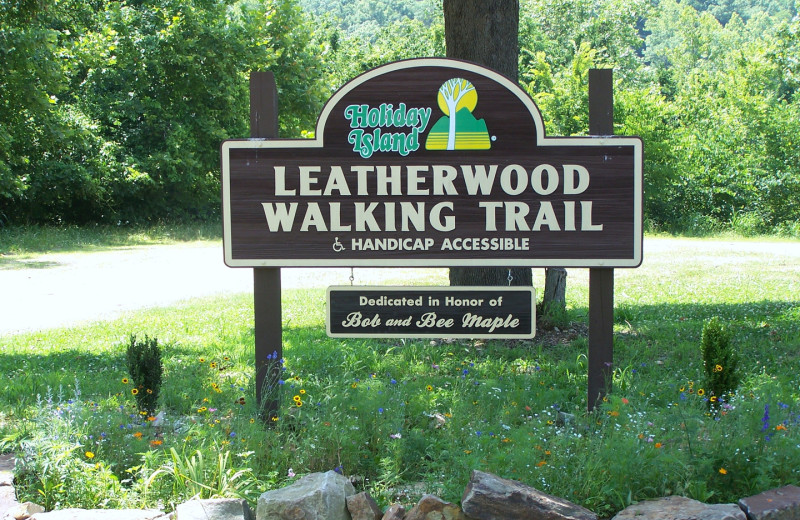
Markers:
point(437, 421)
point(318, 496)
point(363, 507)
point(565, 419)
point(8, 499)
point(23, 511)
point(101, 514)
point(6, 478)
point(680, 508)
point(214, 509)
point(394, 512)
point(776, 504)
point(489, 497)
point(7, 461)
point(431, 507)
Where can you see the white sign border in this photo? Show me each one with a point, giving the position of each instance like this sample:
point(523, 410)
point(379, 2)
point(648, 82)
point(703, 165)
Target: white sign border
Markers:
point(434, 288)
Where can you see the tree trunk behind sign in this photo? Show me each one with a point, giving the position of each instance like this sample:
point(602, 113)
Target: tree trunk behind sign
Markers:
point(485, 32)
point(554, 300)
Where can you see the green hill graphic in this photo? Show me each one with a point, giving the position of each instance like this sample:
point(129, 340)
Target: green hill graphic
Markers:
point(471, 133)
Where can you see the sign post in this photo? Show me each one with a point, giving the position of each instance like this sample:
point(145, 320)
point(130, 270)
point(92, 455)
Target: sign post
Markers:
point(268, 329)
point(601, 280)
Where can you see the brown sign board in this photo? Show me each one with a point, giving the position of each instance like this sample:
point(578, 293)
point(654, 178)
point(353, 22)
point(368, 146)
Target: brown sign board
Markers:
point(431, 312)
point(432, 162)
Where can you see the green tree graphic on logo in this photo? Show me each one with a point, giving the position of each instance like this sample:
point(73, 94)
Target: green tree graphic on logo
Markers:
point(458, 129)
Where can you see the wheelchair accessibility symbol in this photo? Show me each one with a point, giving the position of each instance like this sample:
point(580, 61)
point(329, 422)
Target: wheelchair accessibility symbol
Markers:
point(337, 246)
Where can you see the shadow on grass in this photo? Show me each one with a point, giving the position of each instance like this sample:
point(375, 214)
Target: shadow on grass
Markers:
point(30, 378)
point(11, 264)
point(767, 332)
point(728, 312)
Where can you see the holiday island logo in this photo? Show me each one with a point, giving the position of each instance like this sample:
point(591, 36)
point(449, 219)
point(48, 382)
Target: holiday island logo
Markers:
point(457, 129)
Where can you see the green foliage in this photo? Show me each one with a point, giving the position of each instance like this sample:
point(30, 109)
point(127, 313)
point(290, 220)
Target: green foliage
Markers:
point(113, 112)
point(186, 477)
point(561, 28)
point(733, 127)
point(349, 55)
point(720, 361)
point(785, 55)
point(717, 123)
point(366, 19)
point(724, 10)
point(514, 409)
point(29, 76)
point(565, 104)
point(63, 475)
point(649, 115)
point(146, 371)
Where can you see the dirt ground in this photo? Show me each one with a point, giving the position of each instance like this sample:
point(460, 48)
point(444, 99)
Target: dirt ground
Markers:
point(66, 289)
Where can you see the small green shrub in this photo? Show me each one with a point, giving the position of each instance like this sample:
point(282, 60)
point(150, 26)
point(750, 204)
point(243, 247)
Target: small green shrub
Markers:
point(720, 361)
point(145, 369)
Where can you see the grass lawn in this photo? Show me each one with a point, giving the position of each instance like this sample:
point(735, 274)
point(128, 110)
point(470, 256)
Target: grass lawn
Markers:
point(405, 417)
point(26, 242)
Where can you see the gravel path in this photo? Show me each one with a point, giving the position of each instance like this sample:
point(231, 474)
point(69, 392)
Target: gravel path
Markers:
point(65, 289)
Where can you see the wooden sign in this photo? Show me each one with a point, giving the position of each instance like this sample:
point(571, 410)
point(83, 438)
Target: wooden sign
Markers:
point(431, 312)
point(432, 162)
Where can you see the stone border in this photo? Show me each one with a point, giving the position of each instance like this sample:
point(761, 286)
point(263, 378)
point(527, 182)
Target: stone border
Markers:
point(331, 496)
point(8, 496)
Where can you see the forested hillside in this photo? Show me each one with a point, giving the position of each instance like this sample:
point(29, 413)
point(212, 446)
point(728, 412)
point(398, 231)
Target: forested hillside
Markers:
point(365, 18)
point(114, 111)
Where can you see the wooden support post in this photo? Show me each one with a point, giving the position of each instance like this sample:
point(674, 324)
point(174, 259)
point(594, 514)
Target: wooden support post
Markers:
point(601, 280)
point(266, 280)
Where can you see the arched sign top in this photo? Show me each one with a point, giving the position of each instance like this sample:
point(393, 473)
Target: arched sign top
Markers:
point(436, 104)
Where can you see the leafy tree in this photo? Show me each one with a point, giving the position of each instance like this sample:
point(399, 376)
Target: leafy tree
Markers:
point(724, 10)
point(168, 83)
point(365, 19)
point(729, 124)
point(558, 29)
point(699, 38)
point(784, 55)
point(347, 56)
point(116, 110)
point(565, 103)
point(647, 113)
point(29, 77)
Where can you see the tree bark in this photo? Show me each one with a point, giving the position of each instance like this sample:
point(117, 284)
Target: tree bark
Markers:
point(555, 289)
point(485, 32)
